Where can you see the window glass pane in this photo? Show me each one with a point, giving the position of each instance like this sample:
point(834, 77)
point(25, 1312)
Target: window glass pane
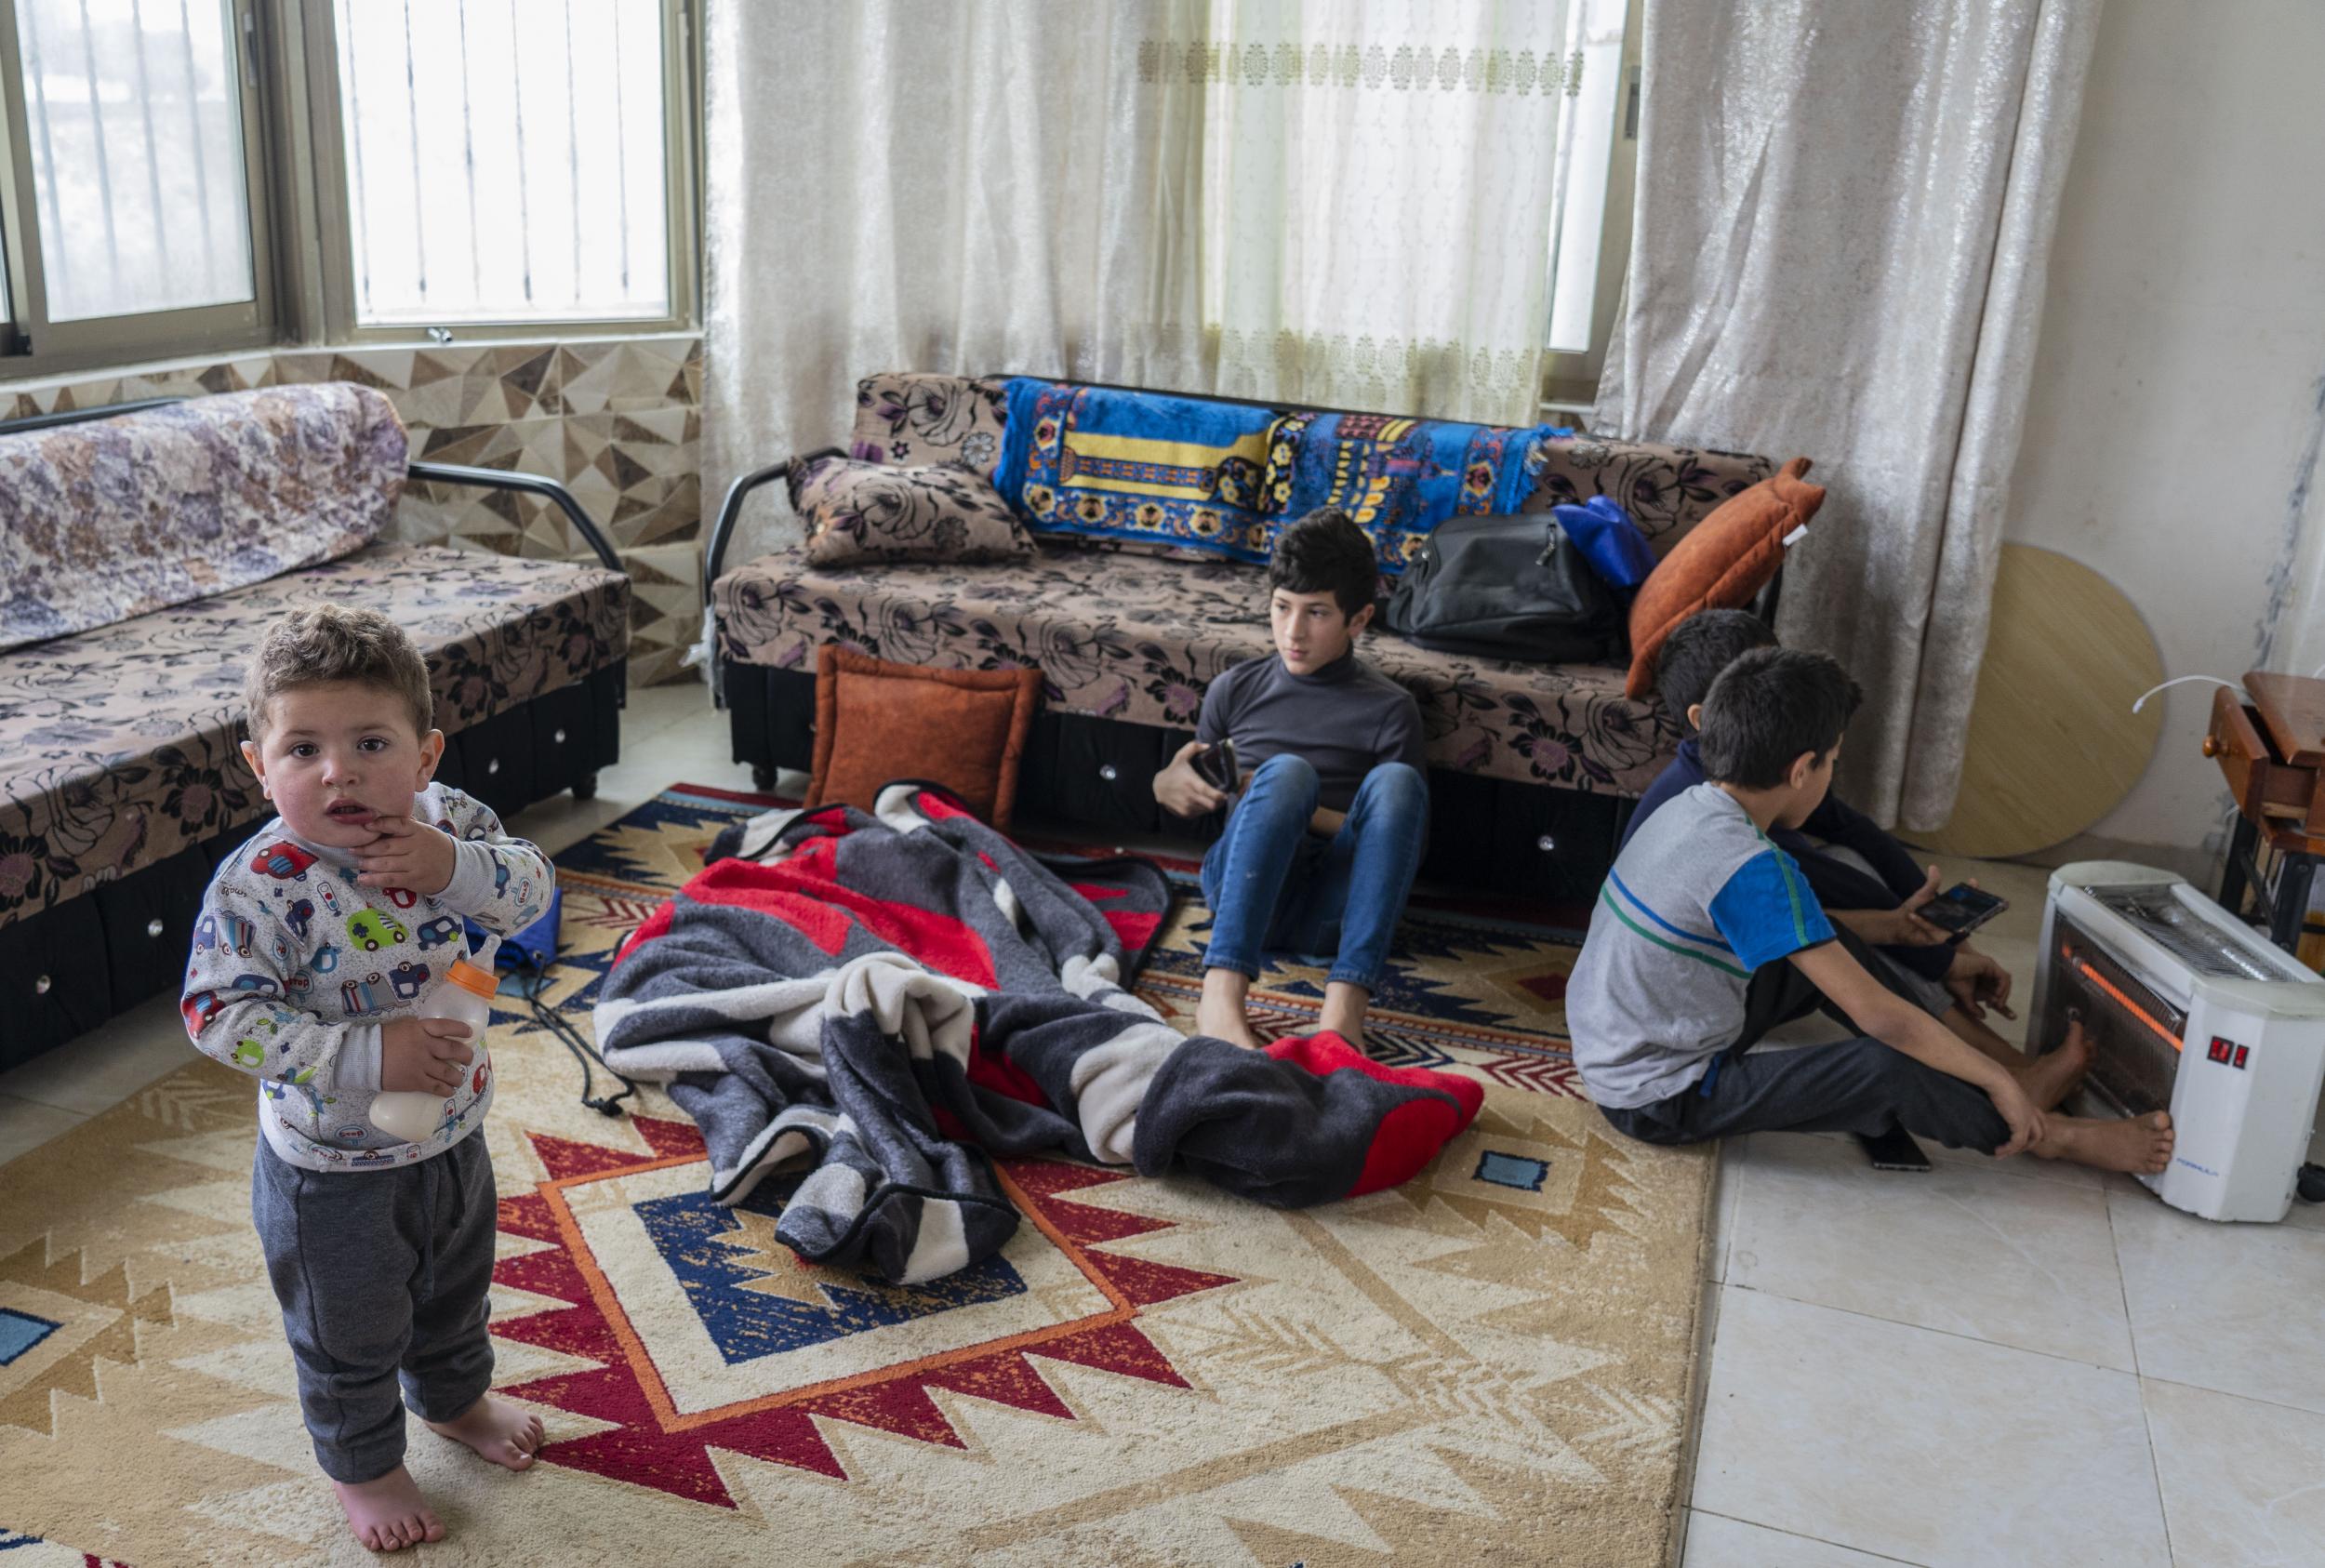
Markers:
point(504, 159)
point(135, 114)
point(1585, 146)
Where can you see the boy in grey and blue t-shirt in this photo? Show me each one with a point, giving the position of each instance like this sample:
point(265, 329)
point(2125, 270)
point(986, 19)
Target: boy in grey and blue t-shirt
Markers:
point(1707, 935)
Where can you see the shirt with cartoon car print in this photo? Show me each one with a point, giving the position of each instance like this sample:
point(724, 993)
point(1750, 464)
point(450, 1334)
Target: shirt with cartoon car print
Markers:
point(294, 967)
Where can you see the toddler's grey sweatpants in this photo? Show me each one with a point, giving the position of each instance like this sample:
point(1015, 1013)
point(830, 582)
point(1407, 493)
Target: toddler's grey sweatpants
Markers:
point(381, 1274)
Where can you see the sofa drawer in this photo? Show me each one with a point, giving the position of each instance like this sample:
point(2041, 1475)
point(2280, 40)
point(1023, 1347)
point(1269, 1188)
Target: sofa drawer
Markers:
point(771, 714)
point(1089, 770)
point(1461, 841)
point(566, 747)
point(54, 982)
point(496, 761)
point(1554, 846)
point(148, 919)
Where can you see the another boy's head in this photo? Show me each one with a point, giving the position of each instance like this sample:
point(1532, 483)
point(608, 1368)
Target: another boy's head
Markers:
point(1772, 723)
point(1320, 583)
point(1695, 653)
point(341, 722)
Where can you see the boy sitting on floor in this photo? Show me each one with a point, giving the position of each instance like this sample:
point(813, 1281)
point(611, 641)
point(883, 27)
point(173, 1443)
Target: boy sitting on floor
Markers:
point(1707, 935)
point(1322, 839)
point(1866, 879)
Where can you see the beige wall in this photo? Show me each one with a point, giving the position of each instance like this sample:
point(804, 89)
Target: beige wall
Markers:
point(616, 421)
point(2175, 412)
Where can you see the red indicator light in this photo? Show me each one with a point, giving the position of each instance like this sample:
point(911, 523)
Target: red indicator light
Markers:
point(2242, 1052)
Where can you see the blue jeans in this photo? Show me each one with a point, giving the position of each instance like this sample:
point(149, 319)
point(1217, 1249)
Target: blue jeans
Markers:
point(1272, 885)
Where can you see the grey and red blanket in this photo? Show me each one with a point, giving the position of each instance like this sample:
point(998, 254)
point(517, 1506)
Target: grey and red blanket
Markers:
point(888, 999)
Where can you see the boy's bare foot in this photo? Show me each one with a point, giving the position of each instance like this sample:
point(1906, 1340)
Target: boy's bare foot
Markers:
point(1343, 1012)
point(1219, 1013)
point(2136, 1145)
point(387, 1513)
point(497, 1430)
point(2051, 1078)
point(1224, 1023)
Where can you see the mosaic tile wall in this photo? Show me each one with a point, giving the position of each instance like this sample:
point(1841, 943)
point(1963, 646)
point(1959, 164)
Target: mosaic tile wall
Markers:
point(618, 421)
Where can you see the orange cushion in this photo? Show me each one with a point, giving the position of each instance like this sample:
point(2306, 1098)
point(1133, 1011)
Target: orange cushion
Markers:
point(1721, 565)
point(877, 722)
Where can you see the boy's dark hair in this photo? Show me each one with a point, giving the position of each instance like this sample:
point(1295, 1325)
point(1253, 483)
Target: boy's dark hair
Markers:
point(1326, 552)
point(1698, 649)
point(1768, 707)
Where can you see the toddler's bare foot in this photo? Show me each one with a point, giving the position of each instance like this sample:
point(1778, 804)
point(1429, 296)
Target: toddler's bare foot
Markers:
point(387, 1513)
point(2050, 1079)
point(1225, 1021)
point(2136, 1145)
point(497, 1430)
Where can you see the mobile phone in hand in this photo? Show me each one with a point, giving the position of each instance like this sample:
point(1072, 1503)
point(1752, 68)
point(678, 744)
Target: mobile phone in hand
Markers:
point(1961, 908)
point(1214, 765)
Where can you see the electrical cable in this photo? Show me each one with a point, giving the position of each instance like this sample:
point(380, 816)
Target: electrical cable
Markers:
point(2183, 679)
point(530, 979)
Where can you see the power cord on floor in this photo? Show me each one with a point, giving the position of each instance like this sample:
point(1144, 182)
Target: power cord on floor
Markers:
point(529, 983)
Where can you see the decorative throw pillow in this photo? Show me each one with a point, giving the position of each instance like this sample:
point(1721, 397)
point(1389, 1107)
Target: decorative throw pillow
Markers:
point(877, 722)
point(1724, 562)
point(869, 511)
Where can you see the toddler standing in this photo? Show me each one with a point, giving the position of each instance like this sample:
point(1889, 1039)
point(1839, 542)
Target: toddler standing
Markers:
point(319, 947)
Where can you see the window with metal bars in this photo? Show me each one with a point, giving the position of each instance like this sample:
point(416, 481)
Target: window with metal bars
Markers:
point(505, 159)
point(130, 194)
point(181, 177)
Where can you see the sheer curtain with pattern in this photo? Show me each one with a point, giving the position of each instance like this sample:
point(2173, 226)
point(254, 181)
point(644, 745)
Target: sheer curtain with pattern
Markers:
point(1346, 203)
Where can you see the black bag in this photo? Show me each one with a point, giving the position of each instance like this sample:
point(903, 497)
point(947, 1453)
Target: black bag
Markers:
point(1508, 588)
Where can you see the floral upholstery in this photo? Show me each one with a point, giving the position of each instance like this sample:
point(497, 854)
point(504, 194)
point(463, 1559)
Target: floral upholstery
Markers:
point(912, 418)
point(1668, 490)
point(113, 518)
point(856, 510)
point(1135, 638)
point(118, 746)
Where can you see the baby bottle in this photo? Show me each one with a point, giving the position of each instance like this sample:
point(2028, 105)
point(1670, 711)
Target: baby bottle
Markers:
point(413, 1115)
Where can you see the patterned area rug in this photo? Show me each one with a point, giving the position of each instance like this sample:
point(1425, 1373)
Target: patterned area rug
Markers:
point(1490, 1365)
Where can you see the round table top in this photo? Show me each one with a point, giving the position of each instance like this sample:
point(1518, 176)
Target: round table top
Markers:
point(2054, 745)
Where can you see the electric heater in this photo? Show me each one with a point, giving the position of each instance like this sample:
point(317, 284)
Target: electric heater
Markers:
point(2188, 1011)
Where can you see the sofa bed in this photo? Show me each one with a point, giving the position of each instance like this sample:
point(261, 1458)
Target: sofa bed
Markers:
point(1534, 768)
point(142, 549)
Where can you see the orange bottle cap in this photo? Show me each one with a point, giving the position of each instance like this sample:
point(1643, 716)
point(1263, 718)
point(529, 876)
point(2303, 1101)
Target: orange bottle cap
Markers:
point(479, 982)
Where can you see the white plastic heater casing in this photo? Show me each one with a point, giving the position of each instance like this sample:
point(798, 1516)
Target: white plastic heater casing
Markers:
point(2243, 1132)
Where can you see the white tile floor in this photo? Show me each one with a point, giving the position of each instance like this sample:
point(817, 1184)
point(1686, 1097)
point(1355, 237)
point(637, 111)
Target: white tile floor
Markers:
point(2012, 1363)
point(1991, 1365)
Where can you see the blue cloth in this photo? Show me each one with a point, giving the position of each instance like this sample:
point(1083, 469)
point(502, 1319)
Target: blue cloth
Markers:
point(1399, 478)
point(1837, 884)
point(536, 945)
point(1094, 462)
point(1608, 540)
point(1272, 885)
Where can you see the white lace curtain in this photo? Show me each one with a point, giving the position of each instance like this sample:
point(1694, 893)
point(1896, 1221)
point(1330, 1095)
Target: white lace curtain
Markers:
point(1371, 183)
point(1344, 203)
